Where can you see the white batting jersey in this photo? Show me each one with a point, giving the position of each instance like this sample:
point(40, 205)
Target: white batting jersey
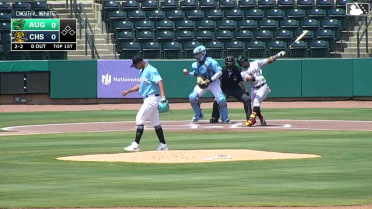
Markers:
point(255, 70)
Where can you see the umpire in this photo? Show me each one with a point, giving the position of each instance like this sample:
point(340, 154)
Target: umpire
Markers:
point(233, 85)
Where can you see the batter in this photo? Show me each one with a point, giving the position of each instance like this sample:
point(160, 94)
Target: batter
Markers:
point(252, 72)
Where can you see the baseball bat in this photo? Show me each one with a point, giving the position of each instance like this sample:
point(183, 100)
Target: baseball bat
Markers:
point(304, 32)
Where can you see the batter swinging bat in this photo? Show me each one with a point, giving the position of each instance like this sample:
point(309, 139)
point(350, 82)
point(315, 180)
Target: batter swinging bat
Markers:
point(299, 37)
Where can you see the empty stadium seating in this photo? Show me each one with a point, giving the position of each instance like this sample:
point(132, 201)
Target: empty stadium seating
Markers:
point(262, 26)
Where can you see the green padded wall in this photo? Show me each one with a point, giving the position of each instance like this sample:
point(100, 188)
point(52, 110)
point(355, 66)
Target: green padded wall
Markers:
point(24, 66)
point(284, 78)
point(327, 78)
point(73, 79)
point(362, 77)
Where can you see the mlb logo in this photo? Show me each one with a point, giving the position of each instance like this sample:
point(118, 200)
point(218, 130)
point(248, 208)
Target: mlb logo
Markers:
point(357, 9)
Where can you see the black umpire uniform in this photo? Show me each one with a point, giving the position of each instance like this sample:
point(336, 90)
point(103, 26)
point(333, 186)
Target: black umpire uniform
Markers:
point(231, 82)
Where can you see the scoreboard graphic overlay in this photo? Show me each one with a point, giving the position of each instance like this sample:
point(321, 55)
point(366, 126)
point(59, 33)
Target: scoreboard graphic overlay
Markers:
point(43, 34)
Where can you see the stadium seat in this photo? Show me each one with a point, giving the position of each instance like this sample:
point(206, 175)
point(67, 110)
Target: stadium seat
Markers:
point(123, 36)
point(327, 35)
point(266, 4)
point(310, 24)
point(165, 25)
point(124, 25)
point(289, 24)
point(244, 35)
point(130, 5)
point(5, 7)
point(168, 5)
point(185, 25)
point(5, 27)
point(136, 15)
point(206, 25)
point(268, 24)
point(325, 4)
point(155, 15)
point(144, 25)
point(130, 49)
point(107, 7)
point(151, 50)
point(21, 6)
point(204, 35)
point(224, 35)
point(310, 35)
point(149, 5)
point(305, 4)
point(296, 14)
point(39, 6)
point(234, 48)
point(319, 48)
point(275, 14)
point(318, 14)
point(255, 14)
point(175, 14)
point(208, 4)
point(256, 49)
point(248, 24)
point(227, 24)
point(228, 4)
point(247, 4)
point(172, 50)
point(284, 35)
point(264, 35)
point(234, 14)
point(299, 49)
point(276, 46)
point(188, 48)
point(195, 15)
point(184, 36)
point(333, 24)
point(286, 4)
point(189, 5)
point(55, 55)
point(164, 36)
point(115, 16)
point(342, 3)
point(215, 49)
point(145, 36)
point(214, 14)
point(5, 17)
point(339, 14)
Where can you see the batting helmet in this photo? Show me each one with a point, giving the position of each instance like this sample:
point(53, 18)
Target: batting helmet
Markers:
point(241, 60)
point(200, 53)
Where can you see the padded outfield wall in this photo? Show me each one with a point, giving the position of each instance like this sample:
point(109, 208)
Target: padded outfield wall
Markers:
point(288, 78)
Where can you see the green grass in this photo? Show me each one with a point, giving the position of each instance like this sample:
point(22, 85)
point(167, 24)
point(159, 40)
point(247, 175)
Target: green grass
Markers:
point(30, 175)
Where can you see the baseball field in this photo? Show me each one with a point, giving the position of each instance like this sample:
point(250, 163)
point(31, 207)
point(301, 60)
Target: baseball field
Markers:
point(311, 155)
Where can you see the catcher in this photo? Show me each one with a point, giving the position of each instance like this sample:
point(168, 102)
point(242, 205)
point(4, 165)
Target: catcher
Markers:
point(252, 72)
point(208, 72)
point(151, 88)
point(233, 85)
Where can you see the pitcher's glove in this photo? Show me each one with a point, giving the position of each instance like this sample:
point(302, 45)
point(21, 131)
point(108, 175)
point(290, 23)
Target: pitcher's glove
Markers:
point(202, 82)
point(163, 106)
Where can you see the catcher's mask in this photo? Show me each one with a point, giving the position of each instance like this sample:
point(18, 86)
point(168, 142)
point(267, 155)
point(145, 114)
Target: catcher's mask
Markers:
point(200, 53)
point(243, 62)
point(229, 62)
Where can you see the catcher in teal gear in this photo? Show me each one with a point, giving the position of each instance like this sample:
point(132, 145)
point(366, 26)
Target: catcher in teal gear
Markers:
point(208, 72)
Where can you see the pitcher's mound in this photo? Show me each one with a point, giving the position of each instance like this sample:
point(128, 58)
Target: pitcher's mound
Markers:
point(188, 156)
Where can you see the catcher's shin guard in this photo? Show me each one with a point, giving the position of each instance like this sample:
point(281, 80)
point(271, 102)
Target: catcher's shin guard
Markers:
point(252, 119)
point(221, 100)
point(195, 104)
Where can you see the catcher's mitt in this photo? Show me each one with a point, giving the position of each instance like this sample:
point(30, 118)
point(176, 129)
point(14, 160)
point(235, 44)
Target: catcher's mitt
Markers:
point(202, 82)
point(163, 105)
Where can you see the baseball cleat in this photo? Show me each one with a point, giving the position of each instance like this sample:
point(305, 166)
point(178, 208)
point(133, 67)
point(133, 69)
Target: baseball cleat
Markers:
point(252, 120)
point(226, 121)
point(196, 118)
point(134, 147)
point(262, 120)
point(162, 147)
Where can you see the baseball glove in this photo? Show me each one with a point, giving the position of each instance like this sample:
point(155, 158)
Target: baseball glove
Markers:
point(202, 82)
point(163, 106)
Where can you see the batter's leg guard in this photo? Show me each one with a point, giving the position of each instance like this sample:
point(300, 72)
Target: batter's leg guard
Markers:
point(221, 100)
point(260, 116)
point(194, 100)
point(215, 113)
point(252, 119)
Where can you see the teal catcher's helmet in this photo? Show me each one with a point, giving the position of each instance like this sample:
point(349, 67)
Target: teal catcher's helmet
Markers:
point(200, 53)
